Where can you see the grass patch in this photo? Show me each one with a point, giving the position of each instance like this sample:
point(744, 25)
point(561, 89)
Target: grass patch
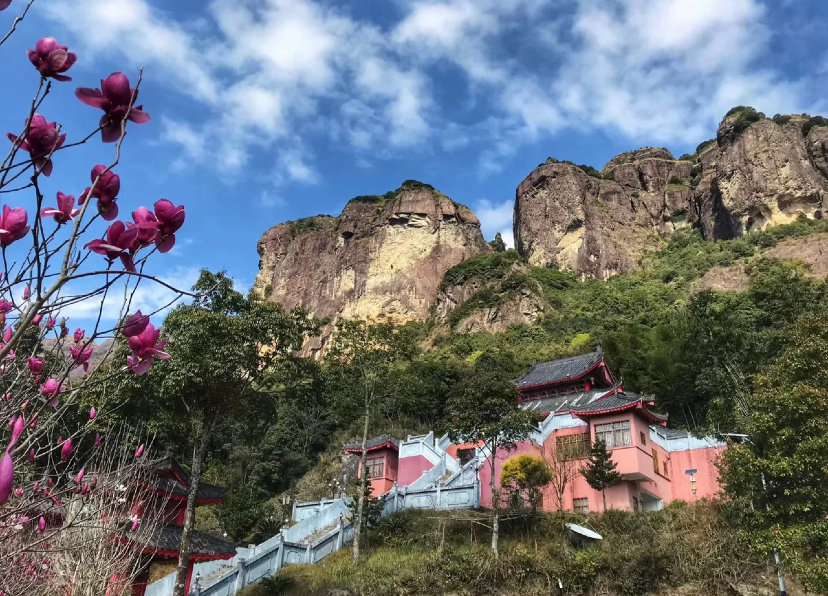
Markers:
point(429, 552)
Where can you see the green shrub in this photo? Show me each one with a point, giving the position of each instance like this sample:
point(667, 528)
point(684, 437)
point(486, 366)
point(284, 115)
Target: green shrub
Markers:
point(677, 181)
point(781, 119)
point(704, 145)
point(305, 225)
point(590, 171)
point(812, 122)
point(745, 116)
point(686, 157)
point(485, 266)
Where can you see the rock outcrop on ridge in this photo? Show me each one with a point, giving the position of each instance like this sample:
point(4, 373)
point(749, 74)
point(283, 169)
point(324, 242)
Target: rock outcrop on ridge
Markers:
point(758, 172)
point(382, 259)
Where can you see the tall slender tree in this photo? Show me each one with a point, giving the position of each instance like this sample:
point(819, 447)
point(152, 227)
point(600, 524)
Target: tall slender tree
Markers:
point(483, 408)
point(224, 347)
point(600, 472)
point(361, 360)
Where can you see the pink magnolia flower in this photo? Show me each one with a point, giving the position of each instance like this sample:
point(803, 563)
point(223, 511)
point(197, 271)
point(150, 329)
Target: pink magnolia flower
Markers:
point(27, 291)
point(6, 476)
point(35, 365)
point(135, 324)
point(7, 335)
point(36, 319)
point(106, 191)
point(81, 357)
point(50, 323)
point(41, 524)
point(79, 333)
point(98, 440)
point(64, 211)
point(92, 413)
point(140, 451)
point(51, 388)
point(5, 305)
point(170, 218)
point(147, 225)
point(145, 347)
point(18, 492)
point(135, 524)
point(51, 59)
point(119, 241)
point(4, 4)
point(17, 430)
point(66, 450)
point(40, 140)
point(79, 477)
point(115, 98)
point(14, 224)
point(31, 455)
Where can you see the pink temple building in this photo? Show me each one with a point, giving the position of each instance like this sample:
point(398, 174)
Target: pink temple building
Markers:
point(580, 402)
point(380, 462)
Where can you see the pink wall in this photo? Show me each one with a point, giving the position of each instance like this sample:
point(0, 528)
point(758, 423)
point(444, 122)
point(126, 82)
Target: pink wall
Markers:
point(707, 478)
point(381, 485)
point(411, 468)
point(502, 455)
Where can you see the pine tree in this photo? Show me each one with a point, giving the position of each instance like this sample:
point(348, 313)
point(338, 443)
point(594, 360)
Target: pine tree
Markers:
point(600, 472)
point(498, 244)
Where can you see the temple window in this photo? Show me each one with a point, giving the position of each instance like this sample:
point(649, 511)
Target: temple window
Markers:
point(655, 461)
point(580, 505)
point(614, 434)
point(465, 455)
point(665, 469)
point(375, 467)
point(643, 438)
point(572, 446)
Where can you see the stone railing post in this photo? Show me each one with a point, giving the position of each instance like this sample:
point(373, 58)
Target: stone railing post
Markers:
point(278, 555)
point(308, 554)
point(437, 500)
point(241, 574)
point(340, 536)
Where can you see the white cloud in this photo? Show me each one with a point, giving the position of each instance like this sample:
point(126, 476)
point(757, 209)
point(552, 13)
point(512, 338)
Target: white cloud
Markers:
point(150, 297)
point(267, 76)
point(493, 217)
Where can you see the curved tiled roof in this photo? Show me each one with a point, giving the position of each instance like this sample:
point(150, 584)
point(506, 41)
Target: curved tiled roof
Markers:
point(620, 402)
point(373, 444)
point(174, 480)
point(562, 403)
point(166, 539)
point(563, 369)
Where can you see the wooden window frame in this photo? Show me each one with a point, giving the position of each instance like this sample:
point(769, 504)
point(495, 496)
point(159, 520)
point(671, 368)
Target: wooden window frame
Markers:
point(580, 505)
point(574, 446)
point(615, 434)
point(375, 467)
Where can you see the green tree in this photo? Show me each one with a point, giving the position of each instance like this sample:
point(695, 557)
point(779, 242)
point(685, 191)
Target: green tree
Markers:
point(778, 477)
point(526, 474)
point(497, 244)
point(600, 472)
point(225, 350)
point(483, 408)
point(362, 361)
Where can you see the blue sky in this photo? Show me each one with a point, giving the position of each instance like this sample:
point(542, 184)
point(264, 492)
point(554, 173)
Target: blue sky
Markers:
point(269, 110)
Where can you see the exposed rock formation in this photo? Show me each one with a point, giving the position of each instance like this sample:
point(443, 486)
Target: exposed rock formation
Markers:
point(758, 172)
point(382, 259)
point(769, 174)
point(600, 226)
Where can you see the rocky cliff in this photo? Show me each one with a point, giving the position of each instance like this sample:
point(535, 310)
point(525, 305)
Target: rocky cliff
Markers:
point(382, 259)
point(757, 172)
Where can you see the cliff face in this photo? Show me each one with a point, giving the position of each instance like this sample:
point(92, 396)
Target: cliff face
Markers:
point(758, 172)
point(599, 226)
point(382, 259)
point(770, 174)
